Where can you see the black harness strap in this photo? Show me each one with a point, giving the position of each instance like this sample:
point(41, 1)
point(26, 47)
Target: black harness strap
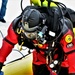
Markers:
point(9, 41)
point(70, 52)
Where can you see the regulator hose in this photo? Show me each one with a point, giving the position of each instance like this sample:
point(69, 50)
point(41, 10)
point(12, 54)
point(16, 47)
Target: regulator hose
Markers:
point(21, 5)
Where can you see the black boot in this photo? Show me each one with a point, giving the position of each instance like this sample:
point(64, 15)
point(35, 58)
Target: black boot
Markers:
point(2, 20)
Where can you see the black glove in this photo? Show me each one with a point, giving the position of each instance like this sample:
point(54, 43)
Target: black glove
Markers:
point(1, 64)
point(1, 72)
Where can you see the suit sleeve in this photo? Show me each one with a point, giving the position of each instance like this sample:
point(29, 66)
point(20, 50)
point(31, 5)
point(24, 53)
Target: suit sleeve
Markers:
point(8, 43)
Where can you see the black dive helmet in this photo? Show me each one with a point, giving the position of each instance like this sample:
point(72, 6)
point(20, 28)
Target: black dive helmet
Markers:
point(31, 20)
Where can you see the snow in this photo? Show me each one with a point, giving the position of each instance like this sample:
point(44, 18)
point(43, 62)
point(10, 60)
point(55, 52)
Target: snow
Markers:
point(13, 10)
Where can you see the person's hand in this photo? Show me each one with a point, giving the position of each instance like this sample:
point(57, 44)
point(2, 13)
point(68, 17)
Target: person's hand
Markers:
point(1, 65)
point(1, 72)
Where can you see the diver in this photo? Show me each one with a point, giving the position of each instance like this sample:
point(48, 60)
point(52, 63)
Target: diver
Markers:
point(48, 32)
